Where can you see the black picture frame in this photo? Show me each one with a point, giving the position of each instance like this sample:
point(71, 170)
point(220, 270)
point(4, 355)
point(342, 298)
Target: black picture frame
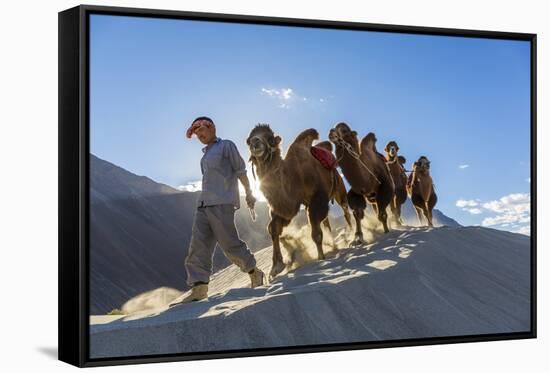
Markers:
point(74, 182)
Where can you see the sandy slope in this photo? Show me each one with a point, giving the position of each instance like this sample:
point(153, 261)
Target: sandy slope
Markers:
point(140, 232)
point(414, 283)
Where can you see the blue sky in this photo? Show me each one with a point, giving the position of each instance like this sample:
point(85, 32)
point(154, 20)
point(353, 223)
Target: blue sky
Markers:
point(463, 102)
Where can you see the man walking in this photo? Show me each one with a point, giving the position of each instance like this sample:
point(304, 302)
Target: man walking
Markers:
point(221, 167)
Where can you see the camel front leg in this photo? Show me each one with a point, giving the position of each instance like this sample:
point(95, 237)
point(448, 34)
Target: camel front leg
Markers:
point(275, 229)
point(398, 219)
point(430, 206)
point(419, 205)
point(317, 213)
point(317, 236)
point(428, 214)
point(382, 217)
point(357, 203)
point(419, 215)
point(358, 214)
point(396, 211)
point(342, 200)
point(326, 223)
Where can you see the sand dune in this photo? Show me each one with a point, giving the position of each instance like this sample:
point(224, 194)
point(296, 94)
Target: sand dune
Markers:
point(140, 232)
point(412, 283)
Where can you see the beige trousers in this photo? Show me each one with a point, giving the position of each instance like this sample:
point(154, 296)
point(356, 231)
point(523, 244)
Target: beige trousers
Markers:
point(215, 224)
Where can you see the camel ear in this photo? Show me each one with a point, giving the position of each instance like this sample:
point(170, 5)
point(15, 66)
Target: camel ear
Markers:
point(277, 140)
point(354, 133)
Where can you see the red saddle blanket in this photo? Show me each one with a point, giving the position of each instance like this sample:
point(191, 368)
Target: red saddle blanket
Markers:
point(326, 158)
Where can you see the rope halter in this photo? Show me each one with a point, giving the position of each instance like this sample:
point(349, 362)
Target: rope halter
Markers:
point(347, 147)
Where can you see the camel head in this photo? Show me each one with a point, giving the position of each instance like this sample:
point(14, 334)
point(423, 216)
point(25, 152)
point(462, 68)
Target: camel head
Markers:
point(391, 150)
point(262, 143)
point(342, 132)
point(422, 165)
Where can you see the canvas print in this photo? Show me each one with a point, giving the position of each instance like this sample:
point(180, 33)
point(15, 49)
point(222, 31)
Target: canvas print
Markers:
point(265, 186)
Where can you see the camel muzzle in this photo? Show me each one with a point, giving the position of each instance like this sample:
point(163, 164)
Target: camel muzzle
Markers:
point(260, 149)
point(257, 147)
point(333, 135)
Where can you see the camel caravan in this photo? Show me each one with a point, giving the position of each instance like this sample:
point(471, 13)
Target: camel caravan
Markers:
point(308, 175)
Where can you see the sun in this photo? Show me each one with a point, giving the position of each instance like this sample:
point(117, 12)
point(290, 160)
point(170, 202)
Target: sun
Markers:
point(255, 186)
point(256, 190)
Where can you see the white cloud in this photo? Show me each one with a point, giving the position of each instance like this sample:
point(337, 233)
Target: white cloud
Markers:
point(271, 92)
point(193, 186)
point(469, 205)
point(283, 95)
point(466, 203)
point(287, 96)
point(463, 166)
point(511, 212)
point(524, 230)
point(513, 209)
point(504, 220)
point(517, 203)
point(287, 93)
point(474, 211)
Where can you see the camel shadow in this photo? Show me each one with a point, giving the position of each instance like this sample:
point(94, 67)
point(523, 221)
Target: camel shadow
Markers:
point(343, 264)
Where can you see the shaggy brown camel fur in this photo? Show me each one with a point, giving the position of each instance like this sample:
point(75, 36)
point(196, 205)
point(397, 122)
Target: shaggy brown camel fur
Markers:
point(421, 190)
point(365, 170)
point(395, 165)
point(339, 192)
point(288, 183)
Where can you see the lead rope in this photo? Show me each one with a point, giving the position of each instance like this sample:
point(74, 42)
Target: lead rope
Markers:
point(267, 173)
point(403, 170)
point(392, 162)
point(253, 172)
point(355, 155)
point(269, 156)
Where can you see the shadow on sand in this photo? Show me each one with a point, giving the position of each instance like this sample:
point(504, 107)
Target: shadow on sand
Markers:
point(229, 293)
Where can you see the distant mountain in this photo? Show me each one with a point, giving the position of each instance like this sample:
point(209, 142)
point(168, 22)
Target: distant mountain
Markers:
point(408, 214)
point(140, 232)
point(110, 182)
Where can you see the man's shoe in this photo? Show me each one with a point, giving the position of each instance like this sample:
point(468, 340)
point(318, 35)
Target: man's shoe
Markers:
point(197, 292)
point(256, 278)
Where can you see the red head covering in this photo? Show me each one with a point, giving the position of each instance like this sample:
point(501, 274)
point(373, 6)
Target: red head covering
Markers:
point(199, 122)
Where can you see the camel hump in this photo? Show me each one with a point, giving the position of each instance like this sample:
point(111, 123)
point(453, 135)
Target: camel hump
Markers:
point(369, 142)
point(327, 145)
point(402, 160)
point(307, 137)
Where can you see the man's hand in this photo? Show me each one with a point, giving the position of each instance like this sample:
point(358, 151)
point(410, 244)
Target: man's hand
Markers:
point(250, 199)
